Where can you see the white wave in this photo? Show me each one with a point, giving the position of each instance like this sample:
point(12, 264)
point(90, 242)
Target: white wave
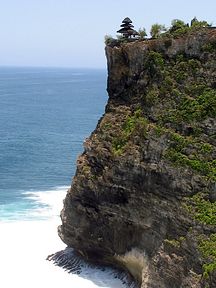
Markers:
point(34, 205)
point(48, 203)
point(24, 247)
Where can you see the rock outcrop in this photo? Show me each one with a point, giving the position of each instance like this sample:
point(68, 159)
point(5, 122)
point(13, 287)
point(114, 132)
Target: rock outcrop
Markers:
point(144, 192)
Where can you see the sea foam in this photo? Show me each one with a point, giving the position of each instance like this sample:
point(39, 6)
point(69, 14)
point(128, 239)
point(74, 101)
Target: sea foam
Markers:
point(25, 245)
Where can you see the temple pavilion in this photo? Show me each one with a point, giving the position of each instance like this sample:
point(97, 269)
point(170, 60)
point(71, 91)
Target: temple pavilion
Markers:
point(127, 29)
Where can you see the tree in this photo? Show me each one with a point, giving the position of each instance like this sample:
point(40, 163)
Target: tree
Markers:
point(177, 24)
point(196, 23)
point(108, 39)
point(142, 33)
point(156, 30)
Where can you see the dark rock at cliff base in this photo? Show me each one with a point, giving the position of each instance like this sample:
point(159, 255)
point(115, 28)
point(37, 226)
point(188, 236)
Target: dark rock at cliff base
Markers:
point(143, 197)
point(74, 263)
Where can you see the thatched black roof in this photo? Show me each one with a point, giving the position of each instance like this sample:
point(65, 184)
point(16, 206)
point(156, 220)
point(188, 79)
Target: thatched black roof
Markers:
point(128, 31)
point(123, 30)
point(133, 32)
point(127, 28)
point(127, 20)
point(126, 25)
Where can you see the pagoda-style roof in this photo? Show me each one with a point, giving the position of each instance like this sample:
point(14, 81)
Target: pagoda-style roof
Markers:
point(123, 30)
point(127, 20)
point(127, 28)
point(126, 25)
point(128, 32)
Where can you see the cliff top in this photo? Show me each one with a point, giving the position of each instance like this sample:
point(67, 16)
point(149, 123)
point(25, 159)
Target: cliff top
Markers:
point(177, 29)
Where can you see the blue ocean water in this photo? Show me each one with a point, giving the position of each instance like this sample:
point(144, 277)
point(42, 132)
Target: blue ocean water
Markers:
point(45, 115)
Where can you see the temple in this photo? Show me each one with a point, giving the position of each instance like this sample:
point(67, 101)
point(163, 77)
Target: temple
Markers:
point(127, 30)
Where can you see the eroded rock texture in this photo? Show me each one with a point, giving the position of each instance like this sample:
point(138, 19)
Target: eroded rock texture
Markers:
point(144, 190)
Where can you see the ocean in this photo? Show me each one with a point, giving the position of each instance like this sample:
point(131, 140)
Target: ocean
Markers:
point(45, 115)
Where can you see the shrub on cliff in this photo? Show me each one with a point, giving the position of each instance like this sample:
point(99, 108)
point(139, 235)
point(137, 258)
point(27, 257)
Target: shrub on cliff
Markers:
point(108, 39)
point(156, 30)
point(142, 33)
point(179, 27)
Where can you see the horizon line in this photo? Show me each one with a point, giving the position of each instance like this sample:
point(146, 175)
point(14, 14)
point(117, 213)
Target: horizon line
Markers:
point(53, 67)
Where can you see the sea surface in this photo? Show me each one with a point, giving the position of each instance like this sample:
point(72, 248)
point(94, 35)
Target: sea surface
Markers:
point(45, 115)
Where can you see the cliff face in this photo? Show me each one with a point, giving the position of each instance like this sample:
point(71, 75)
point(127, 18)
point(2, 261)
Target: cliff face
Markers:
point(144, 192)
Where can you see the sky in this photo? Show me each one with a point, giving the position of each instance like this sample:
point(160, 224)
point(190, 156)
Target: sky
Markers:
point(70, 33)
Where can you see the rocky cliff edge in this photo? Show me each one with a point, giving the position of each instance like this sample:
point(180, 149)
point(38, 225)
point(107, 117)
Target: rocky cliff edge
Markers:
point(144, 192)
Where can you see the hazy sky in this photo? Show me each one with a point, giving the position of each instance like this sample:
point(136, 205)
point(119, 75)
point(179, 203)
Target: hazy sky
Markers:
point(70, 33)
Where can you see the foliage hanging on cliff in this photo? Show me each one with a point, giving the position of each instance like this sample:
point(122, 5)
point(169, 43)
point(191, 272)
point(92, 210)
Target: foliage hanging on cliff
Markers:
point(134, 125)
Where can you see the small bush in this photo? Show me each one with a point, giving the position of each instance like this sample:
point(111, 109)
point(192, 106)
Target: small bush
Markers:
point(202, 209)
point(108, 39)
point(142, 33)
point(209, 47)
point(156, 30)
point(207, 247)
point(133, 125)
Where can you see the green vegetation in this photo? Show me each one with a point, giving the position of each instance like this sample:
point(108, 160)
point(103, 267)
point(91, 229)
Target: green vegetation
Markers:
point(179, 96)
point(198, 108)
point(156, 58)
point(108, 39)
point(156, 30)
point(195, 102)
point(154, 63)
point(196, 161)
point(151, 97)
point(188, 151)
point(175, 242)
point(179, 28)
point(133, 125)
point(209, 47)
point(199, 24)
point(206, 168)
point(186, 100)
point(202, 209)
point(172, 242)
point(207, 247)
point(142, 33)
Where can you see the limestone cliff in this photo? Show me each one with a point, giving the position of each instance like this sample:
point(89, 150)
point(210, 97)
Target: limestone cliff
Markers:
point(144, 192)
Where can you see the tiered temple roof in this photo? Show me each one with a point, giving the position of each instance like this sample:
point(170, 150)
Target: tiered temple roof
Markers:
point(127, 28)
